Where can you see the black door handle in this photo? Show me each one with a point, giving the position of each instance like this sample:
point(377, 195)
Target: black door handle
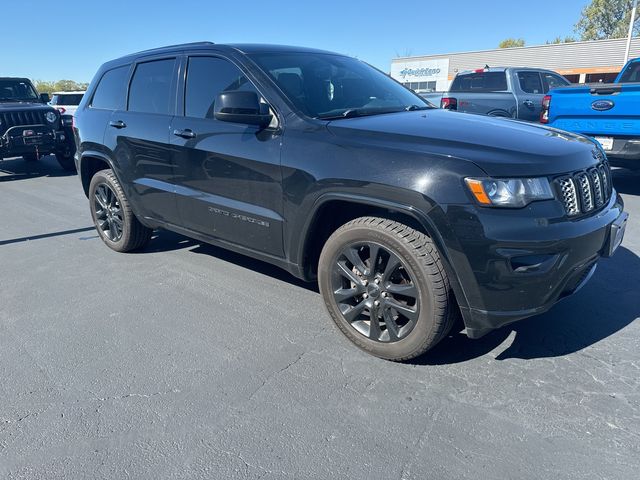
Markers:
point(117, 124)
point(186, 133)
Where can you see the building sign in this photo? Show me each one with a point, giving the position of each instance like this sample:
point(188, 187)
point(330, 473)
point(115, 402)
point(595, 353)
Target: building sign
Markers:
point(422, 74)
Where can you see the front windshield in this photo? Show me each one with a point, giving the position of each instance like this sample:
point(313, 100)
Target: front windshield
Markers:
point(332, 86)
point(17, 90)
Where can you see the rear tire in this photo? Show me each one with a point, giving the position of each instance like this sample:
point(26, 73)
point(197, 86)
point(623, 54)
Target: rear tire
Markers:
point(112, 215)
point(415, 308)
point(66, 162)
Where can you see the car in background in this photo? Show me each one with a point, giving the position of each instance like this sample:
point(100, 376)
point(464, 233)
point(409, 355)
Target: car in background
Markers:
point(29, 127)
point(66, 102)
point(607, 112)
point(513, 92)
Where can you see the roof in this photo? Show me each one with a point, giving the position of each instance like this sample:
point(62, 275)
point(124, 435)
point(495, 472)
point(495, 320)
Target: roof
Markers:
point(267, 48)
point(69, 92)
point(502, 69)
point(247, 48)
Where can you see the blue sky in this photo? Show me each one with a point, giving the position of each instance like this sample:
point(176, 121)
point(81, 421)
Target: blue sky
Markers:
point(71, 40)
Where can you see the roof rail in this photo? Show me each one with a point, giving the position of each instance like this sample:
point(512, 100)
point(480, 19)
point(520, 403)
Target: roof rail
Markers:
point(192, 44)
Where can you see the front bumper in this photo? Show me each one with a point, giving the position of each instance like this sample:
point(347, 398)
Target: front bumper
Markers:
point(513, 264)
point(26, 139)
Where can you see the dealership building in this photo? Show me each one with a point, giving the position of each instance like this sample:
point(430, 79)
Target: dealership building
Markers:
point(579, 62)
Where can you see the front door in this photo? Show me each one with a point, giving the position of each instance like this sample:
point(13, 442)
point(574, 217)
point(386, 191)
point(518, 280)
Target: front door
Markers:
point(228, 178)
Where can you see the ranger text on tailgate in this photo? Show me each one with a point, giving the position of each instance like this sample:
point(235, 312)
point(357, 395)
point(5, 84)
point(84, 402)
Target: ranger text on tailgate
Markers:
point(405, 214)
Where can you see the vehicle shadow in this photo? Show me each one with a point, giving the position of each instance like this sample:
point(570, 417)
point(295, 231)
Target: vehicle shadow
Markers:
point(603, 307)
point(164, 240)
point(12, 169)
point(626, 181)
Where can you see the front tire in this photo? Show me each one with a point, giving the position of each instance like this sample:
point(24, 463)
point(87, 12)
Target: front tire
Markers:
point(112, 215)
point(385, 288)
point(66, 162)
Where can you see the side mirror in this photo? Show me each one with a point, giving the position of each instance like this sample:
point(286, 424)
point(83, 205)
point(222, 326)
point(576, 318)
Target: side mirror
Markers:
point(45, 98)
point(241, 107)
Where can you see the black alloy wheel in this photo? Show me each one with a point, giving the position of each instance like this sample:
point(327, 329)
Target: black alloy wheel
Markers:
point(108, 212)
point(375, 292)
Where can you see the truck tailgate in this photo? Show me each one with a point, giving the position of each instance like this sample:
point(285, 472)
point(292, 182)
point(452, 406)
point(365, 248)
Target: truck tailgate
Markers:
point(603, 109)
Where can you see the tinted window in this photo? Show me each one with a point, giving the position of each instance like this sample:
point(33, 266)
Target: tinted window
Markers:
point(480, 82)
point(530, 82)
point(17, 89)
point(150, 90)
point(631, 74)
point(552, 81)
point(66, 99)
point(206, 78)
point(112, 89)
point(330, 86)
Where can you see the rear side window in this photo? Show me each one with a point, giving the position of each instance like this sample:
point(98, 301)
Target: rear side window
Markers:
point(150, 90)
point(631, 74)
point(552, 81)
point(206, 78)
point(530, 82)
point(112, 89)
point(480, 82)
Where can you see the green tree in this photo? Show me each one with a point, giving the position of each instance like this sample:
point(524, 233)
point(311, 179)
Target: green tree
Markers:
point(511, 42)
point(606, 19)
point(560, 40)
point(44, 86)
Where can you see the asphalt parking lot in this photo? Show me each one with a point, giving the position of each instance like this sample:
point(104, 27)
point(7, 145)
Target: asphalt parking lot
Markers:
point(186, 361)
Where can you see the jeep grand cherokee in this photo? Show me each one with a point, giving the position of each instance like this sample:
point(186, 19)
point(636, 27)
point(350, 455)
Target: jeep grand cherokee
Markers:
point(406, 215)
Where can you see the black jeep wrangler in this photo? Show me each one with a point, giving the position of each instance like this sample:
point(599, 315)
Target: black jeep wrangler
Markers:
point(407, 215)
point(29, 127)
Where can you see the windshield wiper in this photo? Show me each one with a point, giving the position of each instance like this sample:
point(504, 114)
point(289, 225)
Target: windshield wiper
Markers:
point(412, 108)
point(363, 112)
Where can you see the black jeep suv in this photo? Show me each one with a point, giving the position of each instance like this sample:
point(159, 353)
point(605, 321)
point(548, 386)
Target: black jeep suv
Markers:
point(29, 127)
point(406, 215)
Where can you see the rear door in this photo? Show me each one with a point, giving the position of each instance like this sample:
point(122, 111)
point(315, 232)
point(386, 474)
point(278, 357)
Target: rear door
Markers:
point(530, 95)
point(139, 138)
point(228, 176)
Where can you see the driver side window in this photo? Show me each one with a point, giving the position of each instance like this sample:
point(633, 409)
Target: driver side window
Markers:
point(206, 78)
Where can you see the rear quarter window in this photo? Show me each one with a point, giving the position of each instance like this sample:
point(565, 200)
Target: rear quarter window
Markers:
point(480, 82)
point(111, 91)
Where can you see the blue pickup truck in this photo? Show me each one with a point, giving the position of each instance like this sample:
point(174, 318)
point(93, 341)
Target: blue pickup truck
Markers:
point(610, 113)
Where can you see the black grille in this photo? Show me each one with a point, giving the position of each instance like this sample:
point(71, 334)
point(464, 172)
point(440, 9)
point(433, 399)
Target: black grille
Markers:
point(585, 191)
point(19, 118)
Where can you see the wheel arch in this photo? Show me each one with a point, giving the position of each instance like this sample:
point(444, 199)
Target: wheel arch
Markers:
point(335, 209)
point(92, 162)
point(501, 113)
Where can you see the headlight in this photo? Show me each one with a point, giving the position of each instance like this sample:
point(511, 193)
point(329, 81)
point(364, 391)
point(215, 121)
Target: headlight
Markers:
point(510, 192)
point(51, 117)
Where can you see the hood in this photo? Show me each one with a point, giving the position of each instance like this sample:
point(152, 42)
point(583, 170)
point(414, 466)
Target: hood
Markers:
point(9, 106)
point(501, 147)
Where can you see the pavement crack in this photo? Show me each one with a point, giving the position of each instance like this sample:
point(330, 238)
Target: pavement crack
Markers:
point(274, 374)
